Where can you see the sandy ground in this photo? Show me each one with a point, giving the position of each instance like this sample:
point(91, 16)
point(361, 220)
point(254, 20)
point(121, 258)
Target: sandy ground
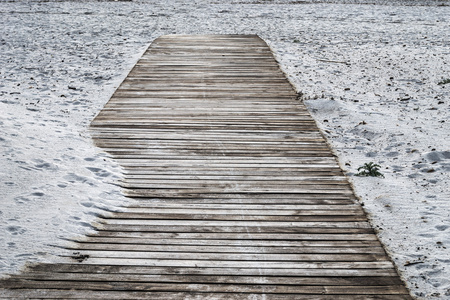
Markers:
point(368, 73)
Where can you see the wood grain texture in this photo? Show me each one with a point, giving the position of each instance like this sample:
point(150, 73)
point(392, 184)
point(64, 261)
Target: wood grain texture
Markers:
point(236, 194)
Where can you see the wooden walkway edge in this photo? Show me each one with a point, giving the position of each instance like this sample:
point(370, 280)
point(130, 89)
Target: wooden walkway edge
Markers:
point(237, 194)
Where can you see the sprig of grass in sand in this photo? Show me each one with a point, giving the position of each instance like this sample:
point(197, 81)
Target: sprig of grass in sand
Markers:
point(370, 169)
point(444, 81)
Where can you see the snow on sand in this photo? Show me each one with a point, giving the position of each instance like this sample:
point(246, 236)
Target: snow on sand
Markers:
point(368, 73)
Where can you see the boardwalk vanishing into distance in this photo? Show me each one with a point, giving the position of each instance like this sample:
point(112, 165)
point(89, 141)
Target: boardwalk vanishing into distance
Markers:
point(236, 193)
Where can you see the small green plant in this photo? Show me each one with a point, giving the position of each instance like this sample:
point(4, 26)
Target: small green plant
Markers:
point(370, 169)
point(444, 81)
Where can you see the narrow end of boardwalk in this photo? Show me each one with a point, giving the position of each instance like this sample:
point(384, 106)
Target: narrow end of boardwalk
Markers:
point(236, 193)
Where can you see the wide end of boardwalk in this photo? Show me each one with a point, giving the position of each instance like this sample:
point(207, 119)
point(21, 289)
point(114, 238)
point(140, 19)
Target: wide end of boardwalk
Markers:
point(237, 194)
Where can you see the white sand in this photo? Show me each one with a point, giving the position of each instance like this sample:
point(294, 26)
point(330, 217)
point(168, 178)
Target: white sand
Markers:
point(368, 73)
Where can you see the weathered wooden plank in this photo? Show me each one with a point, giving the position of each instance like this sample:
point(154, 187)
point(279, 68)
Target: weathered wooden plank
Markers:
point(261, 280)
point(324, 161)
point(208, 136)
point(248, 205)
point(181, 183)
point(287, 198)
point(225, 164)
point(226, 249)
point(142, 212)
point(221, 288)
point(310, 216)
point(200, 93)
point(170, 153)
point(236, 171)
point(150, 145)
point(109, 134)
point(232, 256)
point(247, 199)
point(221, 205)
point(245, 179)
point(249, 118)
point(162, 193)
point(242, 177)
point(321, 217)
point(232, 85)
point(233, 120)
point(261, 128)
point(249, 236)
point(237, 264)
point(167, 82)
point(176, 154)
point(125, 107)
point(231, 229)
point(248, 224)
point(221, 125)
point(303, 245)
point(67, 294)
point(214, 271)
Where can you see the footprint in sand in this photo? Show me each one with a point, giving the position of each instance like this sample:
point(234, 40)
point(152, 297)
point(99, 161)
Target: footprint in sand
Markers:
point(15, 230)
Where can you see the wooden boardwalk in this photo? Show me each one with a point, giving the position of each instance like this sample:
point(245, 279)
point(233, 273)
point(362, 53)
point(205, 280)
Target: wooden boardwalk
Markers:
point(237, 194)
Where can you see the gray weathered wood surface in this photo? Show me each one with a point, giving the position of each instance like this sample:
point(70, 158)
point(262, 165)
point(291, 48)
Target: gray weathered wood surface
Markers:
point(237, 194)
